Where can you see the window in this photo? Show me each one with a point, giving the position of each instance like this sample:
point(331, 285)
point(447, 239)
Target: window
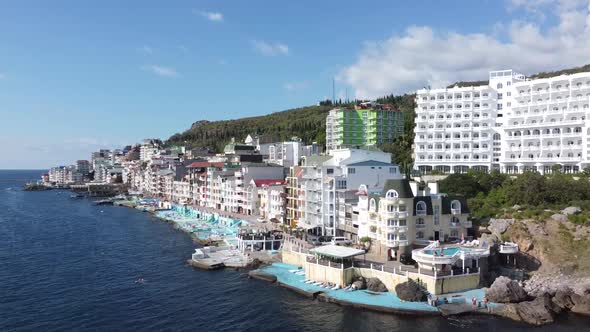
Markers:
point(372, 205)
point(392, 170)
point(421, 208)
point(341, 184)
point(499, 86)
point(351, 170)
point(420, 235)
point(330, 171)
point(401, 208)
point(391, 194)
point(390, 208)
point(436, 214)
point(391, 222)
point(456, 206)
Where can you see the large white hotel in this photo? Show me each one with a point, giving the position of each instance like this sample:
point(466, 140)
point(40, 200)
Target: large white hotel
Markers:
point(511, 124)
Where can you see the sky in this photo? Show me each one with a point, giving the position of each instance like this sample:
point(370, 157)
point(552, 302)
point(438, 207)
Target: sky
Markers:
point(77, 76)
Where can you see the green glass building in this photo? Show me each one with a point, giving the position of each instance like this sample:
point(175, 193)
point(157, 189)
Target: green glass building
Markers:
point(369, 124)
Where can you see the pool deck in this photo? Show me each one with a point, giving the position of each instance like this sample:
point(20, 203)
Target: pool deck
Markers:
point(383, 302)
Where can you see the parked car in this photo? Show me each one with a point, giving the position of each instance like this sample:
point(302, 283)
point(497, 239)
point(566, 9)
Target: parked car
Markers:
point(340, 241)
point(406, 259)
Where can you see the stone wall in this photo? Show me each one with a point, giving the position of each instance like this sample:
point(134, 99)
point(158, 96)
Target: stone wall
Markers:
point(390, 280)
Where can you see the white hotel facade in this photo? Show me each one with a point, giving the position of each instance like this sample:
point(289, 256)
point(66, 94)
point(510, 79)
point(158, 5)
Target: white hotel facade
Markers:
point(511, 124)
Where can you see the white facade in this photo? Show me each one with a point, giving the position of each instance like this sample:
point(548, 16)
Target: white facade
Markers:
point(322, 179)
point(547, 125)
point(512, 124)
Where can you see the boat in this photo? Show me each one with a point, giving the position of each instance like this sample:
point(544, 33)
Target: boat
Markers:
point(77, 196)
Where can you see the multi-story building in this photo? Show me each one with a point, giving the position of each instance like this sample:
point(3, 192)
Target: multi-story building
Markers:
point(83, 167)
point(288, 154)
point(511, 124)
point(547, 125)
point(315, 188)
point(369, 124)
point(401, 216)
point(271, 199)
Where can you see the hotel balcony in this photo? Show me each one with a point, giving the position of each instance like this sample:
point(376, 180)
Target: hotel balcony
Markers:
point(396, 243)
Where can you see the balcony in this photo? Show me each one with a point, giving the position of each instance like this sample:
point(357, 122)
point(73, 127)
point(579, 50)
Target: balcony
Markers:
point(420, 226)
point(467, 224)
point(455, 224)
point(396, 243)
point(420, 212)
point(455, 211)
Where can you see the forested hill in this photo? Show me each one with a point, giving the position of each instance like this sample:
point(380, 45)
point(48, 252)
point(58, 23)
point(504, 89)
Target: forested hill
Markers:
point(307, 123)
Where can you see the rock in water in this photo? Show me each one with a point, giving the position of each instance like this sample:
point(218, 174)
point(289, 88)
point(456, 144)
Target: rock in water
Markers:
point(581, 304)
point(563, 298)
point(255, 264)
point(540, 311)
point(375, 285)
point(505, 290)
point(410, 291)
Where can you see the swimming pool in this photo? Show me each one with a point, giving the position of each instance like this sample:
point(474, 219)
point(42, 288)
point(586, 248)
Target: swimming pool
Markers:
point(446, 251)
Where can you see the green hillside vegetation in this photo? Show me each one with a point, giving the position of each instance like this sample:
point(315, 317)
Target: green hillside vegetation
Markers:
point(537, 196)
point(307, 123)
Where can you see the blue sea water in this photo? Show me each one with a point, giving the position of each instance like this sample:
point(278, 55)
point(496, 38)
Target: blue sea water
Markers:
point(68, 265)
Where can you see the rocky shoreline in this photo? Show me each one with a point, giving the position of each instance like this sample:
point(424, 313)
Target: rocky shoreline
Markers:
point(537, 308)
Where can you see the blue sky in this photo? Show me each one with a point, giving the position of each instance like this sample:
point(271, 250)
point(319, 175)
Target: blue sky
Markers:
point(77, 76)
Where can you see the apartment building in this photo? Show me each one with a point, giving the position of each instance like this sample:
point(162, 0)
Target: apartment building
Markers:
point(401, 217)
point(368, 124)
point(315, 187)
point(512, 124)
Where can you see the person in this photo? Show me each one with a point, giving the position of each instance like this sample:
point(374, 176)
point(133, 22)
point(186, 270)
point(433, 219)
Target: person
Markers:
point(486, 304)
point(429, 298)
point(474, 303)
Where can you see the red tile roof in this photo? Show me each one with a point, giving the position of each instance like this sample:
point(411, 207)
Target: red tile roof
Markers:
point(268, 182)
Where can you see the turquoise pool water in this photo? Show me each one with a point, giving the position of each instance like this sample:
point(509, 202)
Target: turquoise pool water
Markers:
point(446, 251)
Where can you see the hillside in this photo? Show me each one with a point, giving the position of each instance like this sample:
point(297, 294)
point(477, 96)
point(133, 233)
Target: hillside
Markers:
point(307, 123)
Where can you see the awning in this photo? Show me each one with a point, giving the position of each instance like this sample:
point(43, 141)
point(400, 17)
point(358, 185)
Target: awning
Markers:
point(335, 251)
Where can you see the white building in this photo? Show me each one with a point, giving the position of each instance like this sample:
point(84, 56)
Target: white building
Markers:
point(511, 124)
point(401, 216)
point(316, 186)
point(288, 154)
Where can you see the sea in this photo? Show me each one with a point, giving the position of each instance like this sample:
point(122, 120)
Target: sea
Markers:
point(69, 265)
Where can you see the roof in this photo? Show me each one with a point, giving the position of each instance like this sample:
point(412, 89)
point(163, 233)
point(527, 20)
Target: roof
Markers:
point(402, 186)
point(371, 163)
point(203, 164)
point(335, 251)
point(268, 182)
point(316, 160)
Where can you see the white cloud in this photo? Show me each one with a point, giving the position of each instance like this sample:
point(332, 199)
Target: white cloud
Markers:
point(211, 16)
point(161, 70)
point(146, 49)
point(422, 56)
point(269, 48)
point(296, 86)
